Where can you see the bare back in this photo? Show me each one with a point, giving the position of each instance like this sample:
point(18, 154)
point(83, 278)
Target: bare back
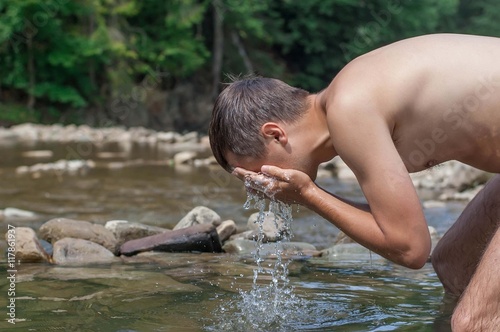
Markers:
point(438, 94)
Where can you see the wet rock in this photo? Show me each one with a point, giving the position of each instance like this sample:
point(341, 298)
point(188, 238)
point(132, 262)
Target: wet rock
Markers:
point(246, 235)
point(342, 238)
point(167, 137)
point(59, 228)
point(450, 177)
point(26, 132)
point(71, 167)
point(291, 249)
point(272, 226)
point(47, 246)
point(184, 158)
point(199, 215)
point(226, 229)
point(72, 251)
point(434, 238)
point(28, 247)
point(14, 214)
point(343, 171)
point(38, 154)
point(189, 137)
point(125, 231)
point(202, 237)
point(350, 252)
point(210, 161)
point(466, 195)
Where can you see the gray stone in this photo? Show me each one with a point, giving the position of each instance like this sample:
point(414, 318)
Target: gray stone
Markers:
point(202, 237)
point(125, 231)
point(38, 154)
point(184, 158)
point(342, 238)
point(199, 215)
point(189, 137)
point(226, 229)
point(289, 249)
point(28, 247)
point(272, 226)
point(15, 214)
point(59, 228)
point(350, 251)
point(71, 251)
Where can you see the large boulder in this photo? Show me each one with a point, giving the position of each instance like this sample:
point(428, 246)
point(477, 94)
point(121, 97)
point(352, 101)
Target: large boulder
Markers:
point(28, 247)
point(199, 215)
point(59, 228)
point(71, 251)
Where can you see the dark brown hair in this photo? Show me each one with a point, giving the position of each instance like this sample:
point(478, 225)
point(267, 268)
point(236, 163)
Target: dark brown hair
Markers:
point(243, 107)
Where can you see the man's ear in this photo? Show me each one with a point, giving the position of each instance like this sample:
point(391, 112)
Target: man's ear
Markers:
point(275, 132)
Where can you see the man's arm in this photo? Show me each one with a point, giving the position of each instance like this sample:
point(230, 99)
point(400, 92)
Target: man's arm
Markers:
point(392, 224)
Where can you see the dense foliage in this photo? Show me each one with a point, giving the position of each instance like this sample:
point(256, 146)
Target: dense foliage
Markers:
point(64, 60)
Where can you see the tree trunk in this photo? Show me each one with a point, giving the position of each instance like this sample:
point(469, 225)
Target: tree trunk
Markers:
point(218, 46)
point(31, 74)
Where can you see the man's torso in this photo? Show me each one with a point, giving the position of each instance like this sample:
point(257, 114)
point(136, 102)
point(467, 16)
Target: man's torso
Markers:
point(439, 95)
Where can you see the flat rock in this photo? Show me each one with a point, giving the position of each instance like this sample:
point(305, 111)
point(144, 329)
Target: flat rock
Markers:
point(350, 251)
point(202, 237)
point(59, 228)
point(71, 251)
point(291, 249)
point(199, 215)
point(28, 247)
point(125, 231)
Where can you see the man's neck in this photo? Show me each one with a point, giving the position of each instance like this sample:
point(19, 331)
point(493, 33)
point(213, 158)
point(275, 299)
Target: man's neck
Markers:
point(316, 124)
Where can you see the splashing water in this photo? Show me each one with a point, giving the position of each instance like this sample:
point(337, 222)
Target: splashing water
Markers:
point(272, 306)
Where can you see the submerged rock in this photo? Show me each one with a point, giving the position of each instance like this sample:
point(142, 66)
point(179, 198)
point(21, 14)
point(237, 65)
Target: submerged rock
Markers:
point(247, 247)
point(28, 247)
point(125, 231)
point(201, 237)
point(226, 229)
point(71, 251)
point(59, 228)
point(199, 215)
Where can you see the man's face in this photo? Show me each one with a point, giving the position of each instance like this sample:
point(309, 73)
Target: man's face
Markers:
point(275, 158)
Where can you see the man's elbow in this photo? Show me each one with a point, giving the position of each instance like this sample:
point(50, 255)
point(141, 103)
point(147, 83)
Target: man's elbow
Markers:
point(415, 258)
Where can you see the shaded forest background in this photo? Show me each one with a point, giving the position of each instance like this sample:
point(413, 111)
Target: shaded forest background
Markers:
point(161, 63)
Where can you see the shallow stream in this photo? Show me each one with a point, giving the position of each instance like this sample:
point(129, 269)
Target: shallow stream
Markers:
point(185, 292)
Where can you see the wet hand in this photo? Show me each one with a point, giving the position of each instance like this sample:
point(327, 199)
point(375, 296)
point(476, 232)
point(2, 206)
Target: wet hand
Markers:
point(286, 185)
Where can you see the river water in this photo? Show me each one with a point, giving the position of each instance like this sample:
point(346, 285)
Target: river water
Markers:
point(183, 291)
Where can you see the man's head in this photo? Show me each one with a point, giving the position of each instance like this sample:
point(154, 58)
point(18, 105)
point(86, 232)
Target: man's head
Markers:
point(241, 111)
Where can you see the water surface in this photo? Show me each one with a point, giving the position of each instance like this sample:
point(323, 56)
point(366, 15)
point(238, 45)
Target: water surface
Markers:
point(185, 292)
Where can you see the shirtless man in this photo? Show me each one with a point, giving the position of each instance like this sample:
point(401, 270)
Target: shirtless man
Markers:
point(399, 109)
